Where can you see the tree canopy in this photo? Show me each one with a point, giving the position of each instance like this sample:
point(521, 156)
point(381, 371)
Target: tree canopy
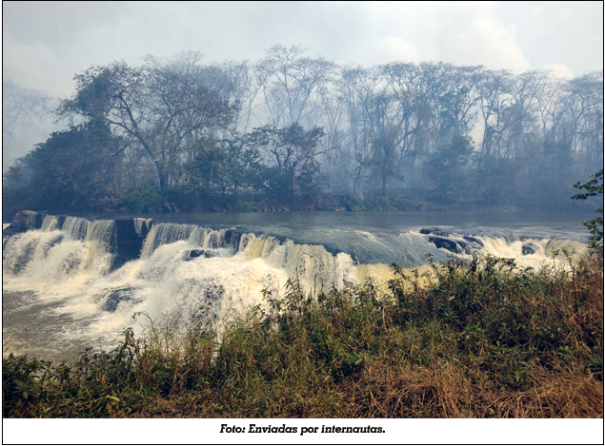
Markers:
point(293, 131)
point(162, 106)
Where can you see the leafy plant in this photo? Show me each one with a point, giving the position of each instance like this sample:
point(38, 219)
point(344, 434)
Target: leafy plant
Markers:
point(593, 188)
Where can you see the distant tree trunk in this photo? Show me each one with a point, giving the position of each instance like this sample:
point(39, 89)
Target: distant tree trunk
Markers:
point(163, 183)
point(292, 188)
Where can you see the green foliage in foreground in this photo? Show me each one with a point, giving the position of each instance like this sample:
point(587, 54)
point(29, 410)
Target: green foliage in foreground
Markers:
point(595, 226)
point(469, 340)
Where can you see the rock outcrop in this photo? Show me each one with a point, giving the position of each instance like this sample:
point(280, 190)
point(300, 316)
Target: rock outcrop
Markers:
point(455, 243)
point(529, 248)
point(25, 221)
point(232, 237)
point(61, 221)
point(129, 236)
point(195, 253)
point(114, 297)
point(447, 244)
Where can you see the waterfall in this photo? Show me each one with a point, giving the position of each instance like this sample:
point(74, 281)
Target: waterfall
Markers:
point(312, 265)
point(195, 274)
point(50, 223)
point(163, 234)
point(196, 236)
point(102, 234)
point(56, 260)
point(76, 228)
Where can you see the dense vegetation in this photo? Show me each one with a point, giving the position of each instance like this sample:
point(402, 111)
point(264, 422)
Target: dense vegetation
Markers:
point(592, 188)
point(468, 340)
point(298, 132)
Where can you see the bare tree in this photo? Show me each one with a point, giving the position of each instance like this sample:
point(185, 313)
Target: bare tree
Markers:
point(26, 120)
point(289, 81)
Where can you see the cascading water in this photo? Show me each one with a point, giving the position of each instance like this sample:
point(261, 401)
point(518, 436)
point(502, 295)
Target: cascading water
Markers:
point(53, 261)
point(164, 234)
point(63, 279)
point(50, 223)
point(312, 265)
point(76, 228)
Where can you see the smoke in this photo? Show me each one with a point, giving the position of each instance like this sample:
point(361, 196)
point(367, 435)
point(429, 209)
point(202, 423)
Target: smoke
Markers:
point(45, 43)
point(27, 119)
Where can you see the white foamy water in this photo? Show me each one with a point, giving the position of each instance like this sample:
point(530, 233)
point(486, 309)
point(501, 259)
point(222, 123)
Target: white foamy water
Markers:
point(71, 270)
point(64, 286)
point(547, 252)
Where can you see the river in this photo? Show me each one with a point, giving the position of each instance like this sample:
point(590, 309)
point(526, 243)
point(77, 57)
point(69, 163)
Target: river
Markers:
point(62, 290)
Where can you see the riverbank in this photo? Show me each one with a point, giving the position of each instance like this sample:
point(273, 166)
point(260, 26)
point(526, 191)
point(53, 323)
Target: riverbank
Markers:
point(395, 202)
point(478, 342)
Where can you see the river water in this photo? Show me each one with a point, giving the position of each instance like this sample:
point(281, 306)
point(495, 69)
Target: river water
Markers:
point(61, 291)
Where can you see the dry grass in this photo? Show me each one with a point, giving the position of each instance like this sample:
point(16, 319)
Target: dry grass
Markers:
point(481, 341)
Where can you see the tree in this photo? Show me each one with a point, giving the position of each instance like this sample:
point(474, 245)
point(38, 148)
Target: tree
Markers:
point(26, 120)
point(242, 164)
point(163, 105)
point(72, 169)
point(290, 81)
point(357, 88)
point(291, 154)
point(228, 164)
point(595, 226)
point(448, 167)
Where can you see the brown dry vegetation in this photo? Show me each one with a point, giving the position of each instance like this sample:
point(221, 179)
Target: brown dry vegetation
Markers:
point(483, 340)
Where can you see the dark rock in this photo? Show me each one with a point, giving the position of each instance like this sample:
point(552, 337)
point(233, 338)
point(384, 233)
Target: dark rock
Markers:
point(24, 221)
point(232, 238)
point(473, 240)
point(435, 231)
point(469, 247)
point(447, 244)
point(114, 297)
point(61, 221)
point(195, 253)
point(462, 244)
point(529, 248)
point(128, 243)
point(464, 247)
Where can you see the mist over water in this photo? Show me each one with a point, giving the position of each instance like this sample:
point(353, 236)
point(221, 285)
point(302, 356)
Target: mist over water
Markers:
point(63, 291)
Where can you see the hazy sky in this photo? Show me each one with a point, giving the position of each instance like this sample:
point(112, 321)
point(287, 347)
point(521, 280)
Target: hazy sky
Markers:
point(46, 43)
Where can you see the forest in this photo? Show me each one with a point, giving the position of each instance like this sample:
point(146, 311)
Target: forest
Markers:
point(296, 132)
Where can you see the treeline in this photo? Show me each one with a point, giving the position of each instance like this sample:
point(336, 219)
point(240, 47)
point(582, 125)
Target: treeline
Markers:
point(298, 132)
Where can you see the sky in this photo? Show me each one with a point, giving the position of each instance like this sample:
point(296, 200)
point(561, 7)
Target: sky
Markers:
point(46, 43)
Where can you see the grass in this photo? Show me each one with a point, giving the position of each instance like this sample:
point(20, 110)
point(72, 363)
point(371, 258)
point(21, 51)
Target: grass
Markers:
point(465, 340)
